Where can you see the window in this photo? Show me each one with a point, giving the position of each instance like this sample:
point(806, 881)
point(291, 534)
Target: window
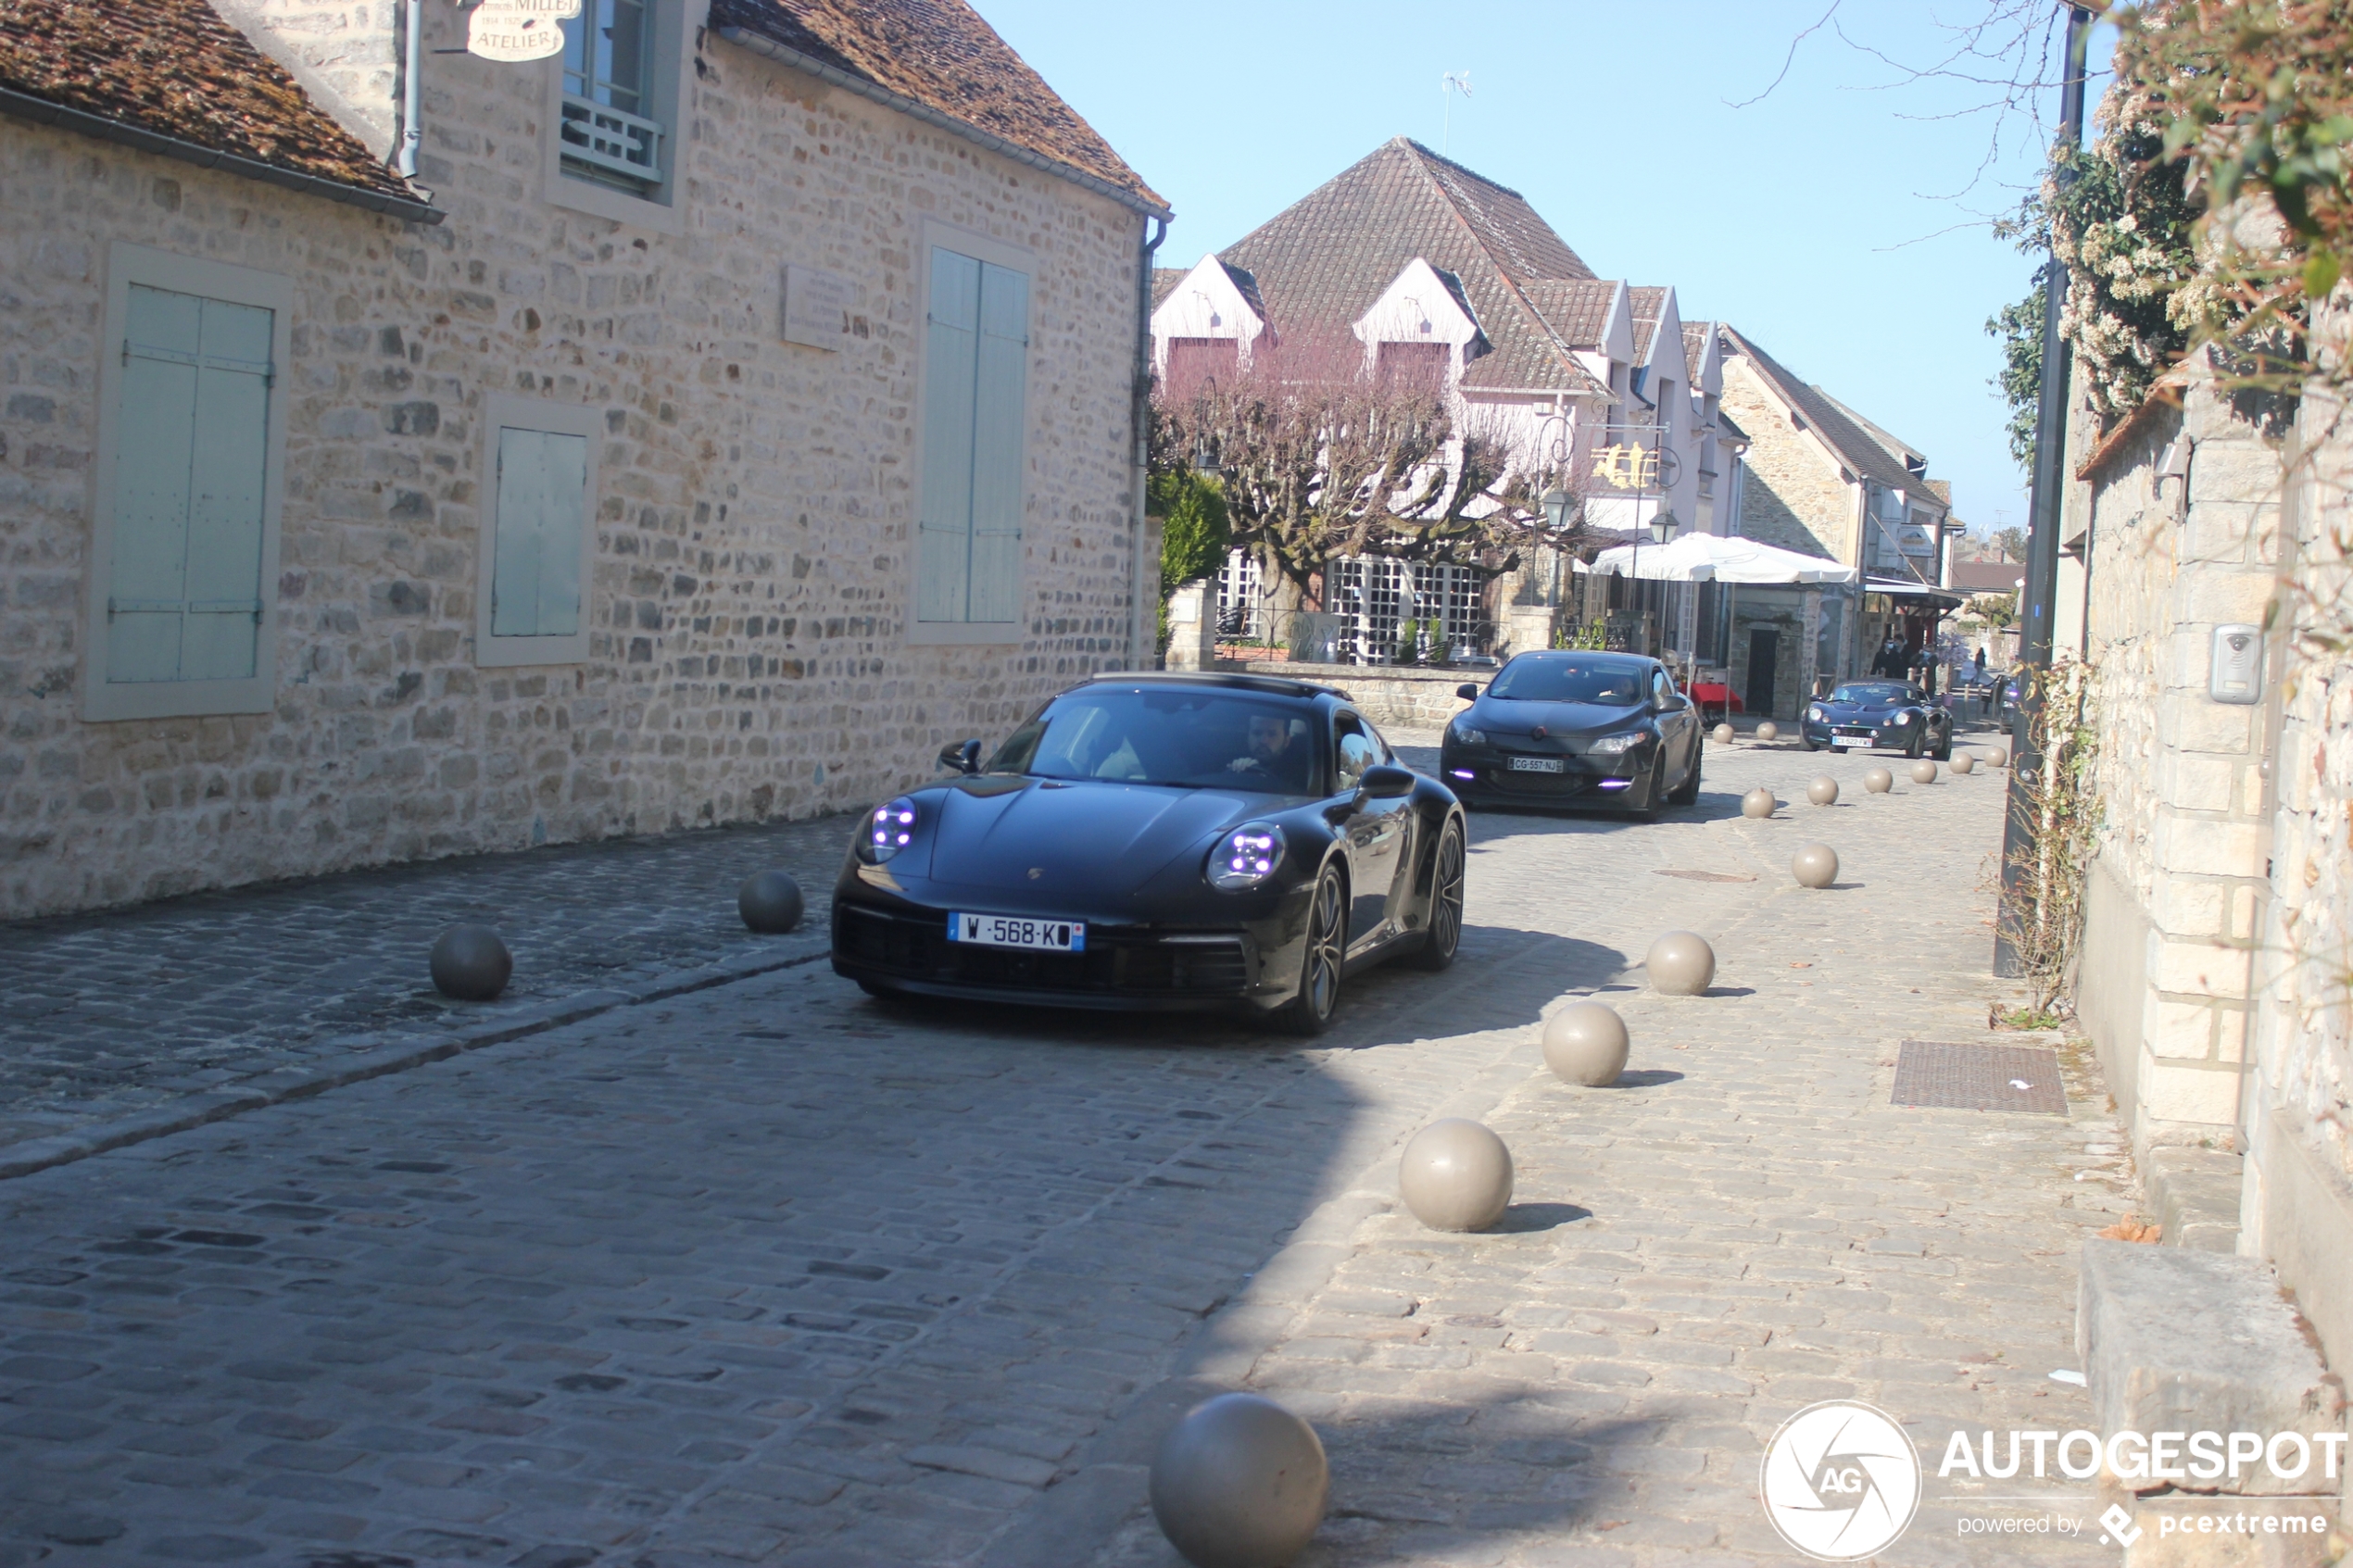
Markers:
point(184, 549)
point(538, 533)
point(968, 552)
point(1414, 364)
point(617, 93)
point(1192, 360)
point(1354, 750)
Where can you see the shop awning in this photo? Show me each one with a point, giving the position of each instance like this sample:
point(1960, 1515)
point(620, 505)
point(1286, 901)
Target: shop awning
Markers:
point(1705, 558)
point(1921, 595)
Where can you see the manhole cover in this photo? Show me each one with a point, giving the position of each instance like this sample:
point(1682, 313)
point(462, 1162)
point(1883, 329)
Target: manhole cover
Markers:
point(1705, 876)
point(1958, 1078)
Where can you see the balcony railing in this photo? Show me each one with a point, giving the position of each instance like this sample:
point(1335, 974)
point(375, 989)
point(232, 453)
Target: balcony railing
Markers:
point(612, 141)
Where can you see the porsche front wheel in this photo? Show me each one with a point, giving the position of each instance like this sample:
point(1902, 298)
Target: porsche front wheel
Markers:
point(1437, 951)
point(1320, 961)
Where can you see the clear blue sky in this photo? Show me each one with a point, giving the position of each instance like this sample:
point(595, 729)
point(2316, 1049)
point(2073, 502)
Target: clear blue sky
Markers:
point(1788, 218)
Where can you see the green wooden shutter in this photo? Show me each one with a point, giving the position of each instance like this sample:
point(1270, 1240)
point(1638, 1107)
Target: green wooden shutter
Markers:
point(943, 551)
point(999, 456)
point(191, 442)
point(543, 497)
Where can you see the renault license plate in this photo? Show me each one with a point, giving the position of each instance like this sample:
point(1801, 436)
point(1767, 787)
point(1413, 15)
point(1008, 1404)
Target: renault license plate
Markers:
point(1019, 930)
point(1536, 764)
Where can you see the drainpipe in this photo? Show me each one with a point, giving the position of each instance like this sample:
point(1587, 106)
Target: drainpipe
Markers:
point(1141, 627)
point(404, 155)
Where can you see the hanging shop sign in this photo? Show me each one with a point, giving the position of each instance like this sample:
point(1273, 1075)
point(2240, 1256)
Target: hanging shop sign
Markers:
point(515, 32)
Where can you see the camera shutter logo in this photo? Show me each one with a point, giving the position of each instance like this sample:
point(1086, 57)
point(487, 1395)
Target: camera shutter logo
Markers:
point(1840, 1481)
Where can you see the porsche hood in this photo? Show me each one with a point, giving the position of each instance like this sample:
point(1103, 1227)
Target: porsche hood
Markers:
point(1077, 833)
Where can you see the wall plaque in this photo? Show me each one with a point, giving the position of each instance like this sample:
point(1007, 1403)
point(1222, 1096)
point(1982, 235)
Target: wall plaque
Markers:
point(816, 306)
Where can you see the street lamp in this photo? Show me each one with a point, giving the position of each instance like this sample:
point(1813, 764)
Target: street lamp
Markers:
point(1556, 504)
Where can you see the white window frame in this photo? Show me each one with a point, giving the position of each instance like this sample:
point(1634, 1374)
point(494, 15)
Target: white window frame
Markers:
point(980, 247)
point(670, 77)
point(503, 411)
point(104, 701)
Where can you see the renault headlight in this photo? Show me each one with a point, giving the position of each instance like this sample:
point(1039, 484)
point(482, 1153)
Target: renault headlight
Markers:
point(889, 829)
point(1467, 736)
point(1246, 858)
point(1611, 746)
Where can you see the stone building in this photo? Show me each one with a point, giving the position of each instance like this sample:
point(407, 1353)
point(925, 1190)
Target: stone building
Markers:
point(730, 409)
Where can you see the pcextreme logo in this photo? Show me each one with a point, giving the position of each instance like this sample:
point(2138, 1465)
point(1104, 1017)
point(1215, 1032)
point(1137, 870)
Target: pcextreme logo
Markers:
point(1840, 1481)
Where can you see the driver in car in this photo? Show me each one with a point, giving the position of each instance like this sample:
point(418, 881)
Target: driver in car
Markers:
point(1268, 740)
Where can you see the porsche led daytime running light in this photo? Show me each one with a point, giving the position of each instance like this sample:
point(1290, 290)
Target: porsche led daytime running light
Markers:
point(1246, 858)
point(890, 830)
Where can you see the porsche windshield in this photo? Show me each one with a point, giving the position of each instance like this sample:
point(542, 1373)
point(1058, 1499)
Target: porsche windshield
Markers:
point(1190, 737)
point(1609, 681)
point(1873, 694)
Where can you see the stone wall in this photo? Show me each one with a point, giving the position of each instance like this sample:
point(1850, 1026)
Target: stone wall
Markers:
point(2183, 836)
point(1790, 494)
point(752, 564)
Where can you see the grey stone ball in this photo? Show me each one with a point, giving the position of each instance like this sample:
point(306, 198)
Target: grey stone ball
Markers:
point(1456, 1175)
point(1680, 964)
point(1239, 1483)
point(1586, 1042)
point(1815, 866)
point(770, 902)
point(1879, 781)
point(1759, 802)
point(1997, 755)
point(1723, 735)
point(1769, 731)
point(1823, 791)
point(471, 963)
point(1923, 772)
point(1963, 762)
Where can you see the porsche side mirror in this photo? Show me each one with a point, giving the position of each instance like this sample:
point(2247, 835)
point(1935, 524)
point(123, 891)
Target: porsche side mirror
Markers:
point(1468, 692)
point(961, 757)
point(1385, 781)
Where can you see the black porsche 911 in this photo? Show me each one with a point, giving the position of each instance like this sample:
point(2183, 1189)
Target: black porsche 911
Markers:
point(1157, 842)
point(1880, 715)
point(1567, 728)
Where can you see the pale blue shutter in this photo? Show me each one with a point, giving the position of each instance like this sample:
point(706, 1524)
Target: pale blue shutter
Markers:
point(192, 440)
point(542, 497)
point(943, 549)
point(999, 424)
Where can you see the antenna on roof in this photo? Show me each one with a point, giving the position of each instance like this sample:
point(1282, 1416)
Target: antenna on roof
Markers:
point(1450, 83)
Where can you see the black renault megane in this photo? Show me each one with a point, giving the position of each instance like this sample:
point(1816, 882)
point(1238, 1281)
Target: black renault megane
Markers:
point(1158, 842)
point(1876, 715)
point(1567, 728)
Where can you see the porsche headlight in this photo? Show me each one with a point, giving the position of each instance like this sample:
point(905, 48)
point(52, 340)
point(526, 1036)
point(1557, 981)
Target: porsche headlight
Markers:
point(1610, 746)
point(1246, 858)
point(889, 829)
point(1467, 736)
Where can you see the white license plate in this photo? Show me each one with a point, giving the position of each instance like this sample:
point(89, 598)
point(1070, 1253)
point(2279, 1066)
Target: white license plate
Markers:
point(1019, 930)
point(1536, 764)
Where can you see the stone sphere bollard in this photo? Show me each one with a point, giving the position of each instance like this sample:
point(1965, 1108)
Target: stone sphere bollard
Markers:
point(1997, 757)
point(1879, 781)
point(1923, 772)
point(1823, 791)
point(1759, 802)
point(1455, 1176)
point(1680, 964)
point(1963, 762)
point(1586, 1042)
point(1239, 1483)
point(471, 963)
point(1769, 731)
point(770, 902)
point(1815, 866)
point(1722, 735)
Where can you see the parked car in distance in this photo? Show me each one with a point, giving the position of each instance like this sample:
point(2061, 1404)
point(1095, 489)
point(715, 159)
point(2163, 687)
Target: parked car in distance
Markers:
point(1880, 715)
point(1159, 842)
point(1567, 727)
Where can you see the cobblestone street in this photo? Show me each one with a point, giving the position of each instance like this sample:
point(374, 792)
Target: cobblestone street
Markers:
point(768, 1272)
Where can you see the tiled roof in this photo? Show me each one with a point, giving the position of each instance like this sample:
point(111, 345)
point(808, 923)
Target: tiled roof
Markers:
point(940, 54)
point(1246, 285)
point(176, 69)
point(1725, 428)
point(1164, 281)
point(1646, 304)
point(1695, 346)
point(1576, 310)
point(1986, 577)
point(1323, 260)
point(1856, 447)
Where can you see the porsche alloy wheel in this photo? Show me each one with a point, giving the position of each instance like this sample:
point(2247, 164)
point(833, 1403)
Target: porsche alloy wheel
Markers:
point(1310, 1013)
point(1445, 903)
